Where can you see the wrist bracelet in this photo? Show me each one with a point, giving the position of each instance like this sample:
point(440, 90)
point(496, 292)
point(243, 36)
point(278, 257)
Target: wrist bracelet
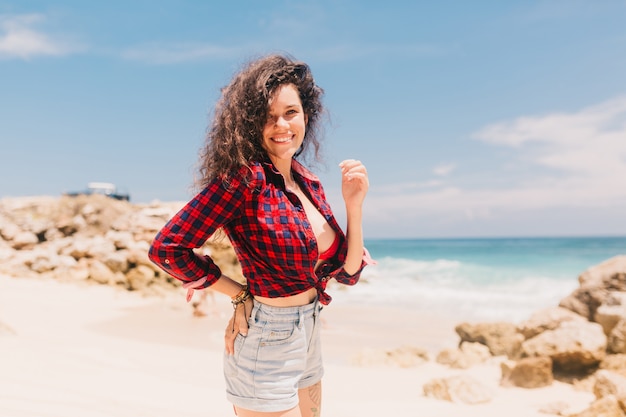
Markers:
point(241, 297)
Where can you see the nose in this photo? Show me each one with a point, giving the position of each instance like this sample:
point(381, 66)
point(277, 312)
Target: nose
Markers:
point(281, 122)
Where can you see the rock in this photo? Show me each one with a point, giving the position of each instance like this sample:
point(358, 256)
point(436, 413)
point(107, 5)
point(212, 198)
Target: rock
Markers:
point(604, 273)
point(404, 357)
point(78, 273)
point(584, 301)
point(458, 389)
point(558, 408)
point(69, 225)
point(617, 338)
point(610, 383)
point(120, 239)
point(527, 373)
point(573, 346)
point(604, 407)
point(138, 255)
point(116, 261)
point(140, 277)
point(407, 356)
point(77, 249)
point(100, 273)
point(467, 355)
point(611, 311)
point(595, 284)
point(500, 337)
point(615, 363)
point(43, 264)
point(18, 264)
point(99, 247)
point(24, 240)
point(8, 229)
point(547, 319)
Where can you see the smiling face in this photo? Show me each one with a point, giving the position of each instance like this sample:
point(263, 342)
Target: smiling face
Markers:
point(285, 127)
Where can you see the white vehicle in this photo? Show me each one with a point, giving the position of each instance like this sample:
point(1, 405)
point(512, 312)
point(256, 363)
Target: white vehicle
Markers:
point(103, 188)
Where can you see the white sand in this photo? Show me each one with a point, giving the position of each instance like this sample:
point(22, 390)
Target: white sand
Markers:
point(69, 350)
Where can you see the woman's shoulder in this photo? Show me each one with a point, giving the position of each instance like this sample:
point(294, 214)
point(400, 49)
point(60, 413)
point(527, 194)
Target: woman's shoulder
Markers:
point(250, 176)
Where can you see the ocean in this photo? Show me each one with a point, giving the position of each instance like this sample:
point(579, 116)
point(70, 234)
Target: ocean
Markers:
point(477, 279)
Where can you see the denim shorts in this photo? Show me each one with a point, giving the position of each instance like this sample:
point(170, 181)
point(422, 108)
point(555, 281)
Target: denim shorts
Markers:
point(280, 355)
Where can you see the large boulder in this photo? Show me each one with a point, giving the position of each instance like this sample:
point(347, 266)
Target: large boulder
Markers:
point(573, 346)
point(501, 338)
point(595, 285)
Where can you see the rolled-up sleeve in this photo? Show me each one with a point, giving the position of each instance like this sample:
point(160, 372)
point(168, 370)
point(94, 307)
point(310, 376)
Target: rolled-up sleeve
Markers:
point(173, 247)
point(343, 277)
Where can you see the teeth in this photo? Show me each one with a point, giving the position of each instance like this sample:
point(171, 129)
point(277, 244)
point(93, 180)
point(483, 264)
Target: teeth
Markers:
point(282, 140)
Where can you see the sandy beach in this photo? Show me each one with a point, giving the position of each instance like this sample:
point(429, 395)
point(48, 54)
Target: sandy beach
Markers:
point(70, 349)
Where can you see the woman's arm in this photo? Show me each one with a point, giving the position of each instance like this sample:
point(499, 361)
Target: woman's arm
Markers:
point(173, 248)
point(354, 187)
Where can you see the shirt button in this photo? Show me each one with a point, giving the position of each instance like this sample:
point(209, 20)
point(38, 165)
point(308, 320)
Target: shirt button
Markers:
point(167, 261)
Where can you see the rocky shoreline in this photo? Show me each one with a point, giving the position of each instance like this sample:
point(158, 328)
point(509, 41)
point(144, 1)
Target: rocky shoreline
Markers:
point(94, 239)
point(582, 341)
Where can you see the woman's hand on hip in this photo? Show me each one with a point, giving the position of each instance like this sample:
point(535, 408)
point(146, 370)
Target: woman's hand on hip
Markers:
point(238, 323)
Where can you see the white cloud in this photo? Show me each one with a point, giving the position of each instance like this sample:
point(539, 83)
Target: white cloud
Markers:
point(585, 152)
point(19, 38)
point(589, 145)
point(444, 169)
point(173, 53)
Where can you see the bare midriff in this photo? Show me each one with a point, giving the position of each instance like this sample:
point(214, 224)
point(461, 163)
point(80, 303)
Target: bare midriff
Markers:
point(301, 299)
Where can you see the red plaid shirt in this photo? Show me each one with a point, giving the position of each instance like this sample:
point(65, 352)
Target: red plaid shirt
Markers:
point(268, 228)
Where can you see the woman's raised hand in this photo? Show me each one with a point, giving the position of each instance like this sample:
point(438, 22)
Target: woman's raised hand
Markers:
point(354, 182)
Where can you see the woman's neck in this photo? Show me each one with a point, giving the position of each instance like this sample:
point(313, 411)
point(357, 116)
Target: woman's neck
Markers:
point(284, 167)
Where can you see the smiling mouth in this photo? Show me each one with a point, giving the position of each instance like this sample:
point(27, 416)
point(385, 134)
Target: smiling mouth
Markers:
point(282, 140)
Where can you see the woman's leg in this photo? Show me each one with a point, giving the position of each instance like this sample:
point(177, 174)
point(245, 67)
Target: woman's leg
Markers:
point(311, 400)
point(310, 405)
point(242, 412)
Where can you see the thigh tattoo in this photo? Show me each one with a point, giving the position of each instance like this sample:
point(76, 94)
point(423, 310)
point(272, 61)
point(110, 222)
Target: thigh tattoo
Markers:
point(315, 394)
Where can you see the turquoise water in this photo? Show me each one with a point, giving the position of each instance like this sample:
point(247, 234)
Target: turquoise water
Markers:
point(488, 279)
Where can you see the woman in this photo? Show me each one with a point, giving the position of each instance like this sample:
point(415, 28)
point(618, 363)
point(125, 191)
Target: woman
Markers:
point(287, 240)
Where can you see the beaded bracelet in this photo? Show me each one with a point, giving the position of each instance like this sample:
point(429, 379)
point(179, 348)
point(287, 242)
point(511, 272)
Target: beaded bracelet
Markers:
point(241, 297)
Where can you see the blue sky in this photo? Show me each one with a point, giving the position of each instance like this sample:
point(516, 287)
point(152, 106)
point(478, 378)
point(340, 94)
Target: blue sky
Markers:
point(485, 118)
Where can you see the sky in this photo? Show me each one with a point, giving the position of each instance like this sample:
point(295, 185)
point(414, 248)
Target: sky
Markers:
point(474, 119)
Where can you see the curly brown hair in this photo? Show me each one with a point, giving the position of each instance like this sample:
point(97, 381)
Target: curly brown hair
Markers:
point(234, 139)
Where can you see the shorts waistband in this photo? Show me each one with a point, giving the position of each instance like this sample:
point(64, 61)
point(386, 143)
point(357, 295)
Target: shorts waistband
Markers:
point(261, 310)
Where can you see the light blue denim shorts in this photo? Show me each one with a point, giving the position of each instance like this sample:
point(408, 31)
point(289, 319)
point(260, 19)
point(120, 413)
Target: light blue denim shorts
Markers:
point(281, 354)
